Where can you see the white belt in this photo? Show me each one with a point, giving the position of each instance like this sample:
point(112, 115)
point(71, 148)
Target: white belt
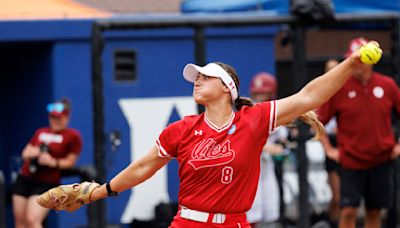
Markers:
point(200, 216)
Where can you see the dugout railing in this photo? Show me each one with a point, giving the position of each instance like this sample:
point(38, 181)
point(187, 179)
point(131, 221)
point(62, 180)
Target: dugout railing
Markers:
point(199, 22)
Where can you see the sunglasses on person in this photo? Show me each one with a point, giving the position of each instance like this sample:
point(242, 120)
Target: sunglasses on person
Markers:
point(55, 108)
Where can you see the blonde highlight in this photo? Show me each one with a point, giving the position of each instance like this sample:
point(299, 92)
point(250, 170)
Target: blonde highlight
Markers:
point(311, 118)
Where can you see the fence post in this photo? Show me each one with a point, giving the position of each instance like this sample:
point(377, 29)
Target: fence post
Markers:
point(302, 170)
point(98, 208)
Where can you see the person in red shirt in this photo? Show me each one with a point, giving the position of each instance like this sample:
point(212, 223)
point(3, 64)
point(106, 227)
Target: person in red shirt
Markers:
point(49, 150)
point(219, 150)
point(366, 141)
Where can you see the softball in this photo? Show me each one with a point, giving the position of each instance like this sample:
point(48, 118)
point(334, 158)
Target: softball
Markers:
point(370, 53)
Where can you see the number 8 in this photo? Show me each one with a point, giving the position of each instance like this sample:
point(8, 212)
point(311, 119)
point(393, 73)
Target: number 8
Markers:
point(227, 174)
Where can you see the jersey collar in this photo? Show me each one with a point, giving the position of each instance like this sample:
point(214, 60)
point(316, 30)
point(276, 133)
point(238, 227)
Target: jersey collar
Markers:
point(223, 127)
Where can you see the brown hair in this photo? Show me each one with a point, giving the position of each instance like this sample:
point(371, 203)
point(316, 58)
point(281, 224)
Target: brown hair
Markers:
point(66, 102)
point(240, 101)
point(310, 117)
point(67, 105)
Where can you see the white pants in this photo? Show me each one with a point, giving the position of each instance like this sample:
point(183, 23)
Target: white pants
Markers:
point(266, 203)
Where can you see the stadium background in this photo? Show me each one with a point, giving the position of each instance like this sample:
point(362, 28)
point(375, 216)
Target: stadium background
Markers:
point(47, 52)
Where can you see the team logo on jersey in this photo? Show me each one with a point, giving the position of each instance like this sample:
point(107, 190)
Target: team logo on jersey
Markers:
point(207, 153)
point(232, 130)
point(48, 138)
point(378, 92)
point(352, 94)
point(198, 132)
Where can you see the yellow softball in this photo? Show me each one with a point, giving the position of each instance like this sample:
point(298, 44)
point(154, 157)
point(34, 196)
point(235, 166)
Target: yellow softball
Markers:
point(370, 53)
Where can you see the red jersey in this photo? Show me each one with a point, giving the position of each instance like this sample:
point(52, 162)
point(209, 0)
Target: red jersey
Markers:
point(363, 113)
point(60, 144)
point(219, 167)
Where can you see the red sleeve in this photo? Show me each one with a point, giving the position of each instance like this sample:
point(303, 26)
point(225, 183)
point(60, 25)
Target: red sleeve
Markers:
point(262, 116)
point(76, 143)
point(326, 111)
point(167, 142)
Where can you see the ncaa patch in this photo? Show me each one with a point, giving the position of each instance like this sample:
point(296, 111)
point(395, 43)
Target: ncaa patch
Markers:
point(232, 129)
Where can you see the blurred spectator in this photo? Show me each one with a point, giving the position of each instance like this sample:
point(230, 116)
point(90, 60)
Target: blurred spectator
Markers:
point(50, 149)
point(366, 142)
point(266, 207)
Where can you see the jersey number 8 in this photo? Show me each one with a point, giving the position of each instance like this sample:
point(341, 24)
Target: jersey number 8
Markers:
point(227, 175)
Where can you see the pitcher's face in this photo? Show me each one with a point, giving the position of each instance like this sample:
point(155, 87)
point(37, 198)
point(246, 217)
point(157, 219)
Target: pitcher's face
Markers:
point(208, 88)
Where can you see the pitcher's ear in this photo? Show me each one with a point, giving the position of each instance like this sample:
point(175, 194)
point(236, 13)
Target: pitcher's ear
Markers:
point(226, 89)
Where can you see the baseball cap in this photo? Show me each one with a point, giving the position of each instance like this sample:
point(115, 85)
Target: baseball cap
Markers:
point(191, 71)
point(354, 45)
point(57, 109)
point(263, 82)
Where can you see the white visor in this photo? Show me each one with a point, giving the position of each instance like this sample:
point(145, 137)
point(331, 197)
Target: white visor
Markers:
point(191, 71)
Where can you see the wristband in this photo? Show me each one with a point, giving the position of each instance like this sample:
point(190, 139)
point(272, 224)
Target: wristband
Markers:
point(109, 191)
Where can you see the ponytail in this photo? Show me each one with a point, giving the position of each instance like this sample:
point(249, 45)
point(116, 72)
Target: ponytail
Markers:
point(311, 118)
point(243, 101)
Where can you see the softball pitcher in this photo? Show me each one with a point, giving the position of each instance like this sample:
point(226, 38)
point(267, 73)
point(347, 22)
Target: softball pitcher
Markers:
point(218, 151)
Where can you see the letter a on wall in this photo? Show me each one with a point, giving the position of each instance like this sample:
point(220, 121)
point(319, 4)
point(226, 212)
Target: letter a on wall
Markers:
point(147, 117)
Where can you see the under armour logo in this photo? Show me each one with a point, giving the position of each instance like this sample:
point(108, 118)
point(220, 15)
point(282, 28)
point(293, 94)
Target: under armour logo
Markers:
point(196, 132)
point(232, 85)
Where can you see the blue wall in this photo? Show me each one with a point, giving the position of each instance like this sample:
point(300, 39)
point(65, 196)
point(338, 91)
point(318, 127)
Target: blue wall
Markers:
point(52, 59)
point(43, 61)
point(161, 53)
point(72, 78)
point(249, 50)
